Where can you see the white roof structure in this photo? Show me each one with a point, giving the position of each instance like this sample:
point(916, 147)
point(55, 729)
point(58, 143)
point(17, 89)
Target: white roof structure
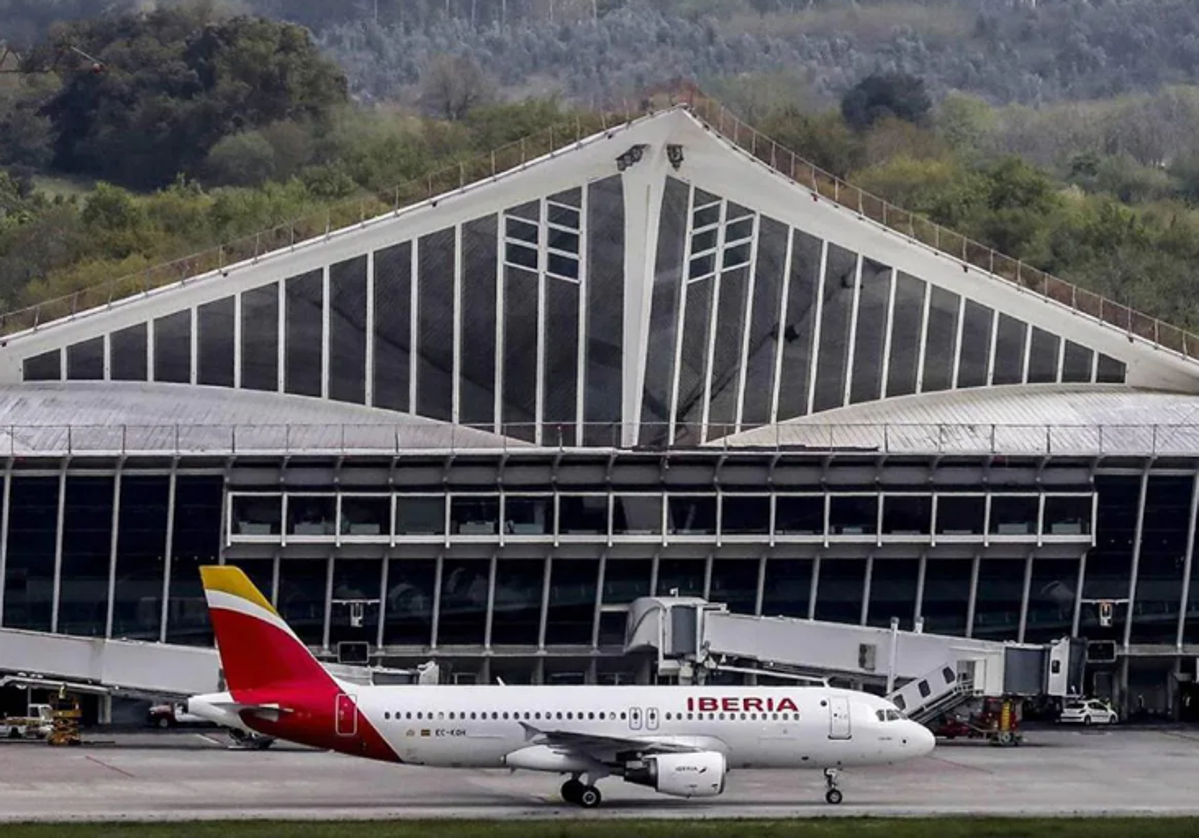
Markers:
point(88, 418)
point(1065, 419)
point(668, 282)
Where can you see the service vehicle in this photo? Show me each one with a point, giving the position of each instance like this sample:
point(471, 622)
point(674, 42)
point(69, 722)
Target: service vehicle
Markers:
point(37, 725)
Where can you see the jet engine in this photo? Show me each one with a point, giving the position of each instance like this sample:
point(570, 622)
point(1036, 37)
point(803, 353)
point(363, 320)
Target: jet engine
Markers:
point(698, 774)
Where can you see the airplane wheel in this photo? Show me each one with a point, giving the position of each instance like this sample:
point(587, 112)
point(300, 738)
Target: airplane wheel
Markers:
point(589, 797)
point(832, 796)
point(571, 791)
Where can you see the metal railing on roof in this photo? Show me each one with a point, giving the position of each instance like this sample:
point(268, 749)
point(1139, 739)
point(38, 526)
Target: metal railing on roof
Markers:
point(940, 239)
point(439, 438)
point(223, 258)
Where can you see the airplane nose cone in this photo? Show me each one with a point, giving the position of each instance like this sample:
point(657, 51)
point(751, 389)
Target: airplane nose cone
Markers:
point(924, 739)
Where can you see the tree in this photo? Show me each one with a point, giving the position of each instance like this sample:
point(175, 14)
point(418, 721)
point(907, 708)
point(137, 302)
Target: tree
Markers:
point(883, 95)
point(823, 139)
point(178, 80)
point(245, 159)
point(453, 86)
point(965, 123)
point(1020, 200)
point(26, 135)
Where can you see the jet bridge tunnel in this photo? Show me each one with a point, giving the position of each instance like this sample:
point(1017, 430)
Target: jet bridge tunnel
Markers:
point(924, 674)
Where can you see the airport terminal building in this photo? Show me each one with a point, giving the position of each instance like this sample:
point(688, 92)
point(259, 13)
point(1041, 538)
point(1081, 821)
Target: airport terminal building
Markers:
point(665, 358)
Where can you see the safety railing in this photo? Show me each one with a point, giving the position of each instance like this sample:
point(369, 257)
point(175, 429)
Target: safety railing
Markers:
point(219, 260)
point(415, 437)
point(932, 235)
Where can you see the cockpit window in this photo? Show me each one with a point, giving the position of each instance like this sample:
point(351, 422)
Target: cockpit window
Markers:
point(889, 715)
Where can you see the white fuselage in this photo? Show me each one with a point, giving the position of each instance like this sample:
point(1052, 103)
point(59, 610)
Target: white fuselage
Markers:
point(789, 727)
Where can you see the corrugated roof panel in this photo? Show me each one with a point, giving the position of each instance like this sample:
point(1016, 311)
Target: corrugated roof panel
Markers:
point(95, 417)
point(1022, 419)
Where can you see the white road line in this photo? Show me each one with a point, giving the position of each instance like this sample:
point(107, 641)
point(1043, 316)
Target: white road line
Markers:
point(208, 739)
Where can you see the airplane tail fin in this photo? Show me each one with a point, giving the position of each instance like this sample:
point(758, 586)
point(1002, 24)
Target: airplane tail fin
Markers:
point(258, 649)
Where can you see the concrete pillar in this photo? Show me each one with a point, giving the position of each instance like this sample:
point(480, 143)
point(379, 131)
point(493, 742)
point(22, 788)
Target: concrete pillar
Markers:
point(1120, 699)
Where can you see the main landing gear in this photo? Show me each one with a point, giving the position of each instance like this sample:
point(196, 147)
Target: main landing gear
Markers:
point(833, 795)
point(580, 794)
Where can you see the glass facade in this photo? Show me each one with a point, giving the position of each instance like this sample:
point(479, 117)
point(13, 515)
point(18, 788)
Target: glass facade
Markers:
point(517, 322)
point(553, 570)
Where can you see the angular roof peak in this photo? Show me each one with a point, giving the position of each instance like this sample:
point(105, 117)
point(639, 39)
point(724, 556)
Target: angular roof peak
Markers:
point(677, 278)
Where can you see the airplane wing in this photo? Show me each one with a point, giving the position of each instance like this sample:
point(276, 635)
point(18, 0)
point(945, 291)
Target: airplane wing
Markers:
point(597, 746)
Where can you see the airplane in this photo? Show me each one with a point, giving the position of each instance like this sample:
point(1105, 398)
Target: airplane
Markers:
point(677, 740)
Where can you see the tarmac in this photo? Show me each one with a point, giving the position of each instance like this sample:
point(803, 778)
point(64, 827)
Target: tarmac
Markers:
point(194, 775)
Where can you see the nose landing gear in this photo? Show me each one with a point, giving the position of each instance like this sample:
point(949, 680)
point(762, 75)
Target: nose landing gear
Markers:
point(833, 795)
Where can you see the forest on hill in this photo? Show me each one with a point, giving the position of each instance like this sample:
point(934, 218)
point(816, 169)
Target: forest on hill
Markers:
point(163, 132)
point(590, 51)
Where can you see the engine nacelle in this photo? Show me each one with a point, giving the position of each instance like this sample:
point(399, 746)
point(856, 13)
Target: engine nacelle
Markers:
point(699, 774)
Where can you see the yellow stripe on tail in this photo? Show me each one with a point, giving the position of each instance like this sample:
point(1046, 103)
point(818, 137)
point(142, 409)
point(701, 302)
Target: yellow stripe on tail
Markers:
point(233, 581)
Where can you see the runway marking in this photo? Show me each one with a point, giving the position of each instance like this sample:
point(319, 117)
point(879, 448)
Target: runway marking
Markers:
point(954, 764)
point(207, 738)
point(1177, 735)
point(109, 767)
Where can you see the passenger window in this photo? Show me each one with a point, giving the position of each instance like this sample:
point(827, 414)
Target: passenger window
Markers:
point(924, 688)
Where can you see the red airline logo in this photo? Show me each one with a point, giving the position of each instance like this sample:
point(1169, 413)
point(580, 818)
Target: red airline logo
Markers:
point(735, 704)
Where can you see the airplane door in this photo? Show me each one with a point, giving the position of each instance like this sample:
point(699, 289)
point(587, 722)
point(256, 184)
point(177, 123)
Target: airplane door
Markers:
point(635, 718)
point(838, 719)
point(345, 715)
point(651, 718)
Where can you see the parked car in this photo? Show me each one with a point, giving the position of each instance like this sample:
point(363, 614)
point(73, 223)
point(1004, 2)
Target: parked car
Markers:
point(171, 715)
point(951, 727)
point(1089, 712)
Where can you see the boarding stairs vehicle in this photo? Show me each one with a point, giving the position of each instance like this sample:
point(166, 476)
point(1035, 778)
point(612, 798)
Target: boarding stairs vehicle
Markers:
point(927, 676)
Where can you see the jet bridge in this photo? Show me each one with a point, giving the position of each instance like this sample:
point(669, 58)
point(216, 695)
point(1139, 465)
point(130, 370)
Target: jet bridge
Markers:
point(133, 668)
point(926, 675)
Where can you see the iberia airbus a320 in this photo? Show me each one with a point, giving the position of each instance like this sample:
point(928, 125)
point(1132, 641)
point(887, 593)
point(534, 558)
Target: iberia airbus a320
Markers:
point(680, 741)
